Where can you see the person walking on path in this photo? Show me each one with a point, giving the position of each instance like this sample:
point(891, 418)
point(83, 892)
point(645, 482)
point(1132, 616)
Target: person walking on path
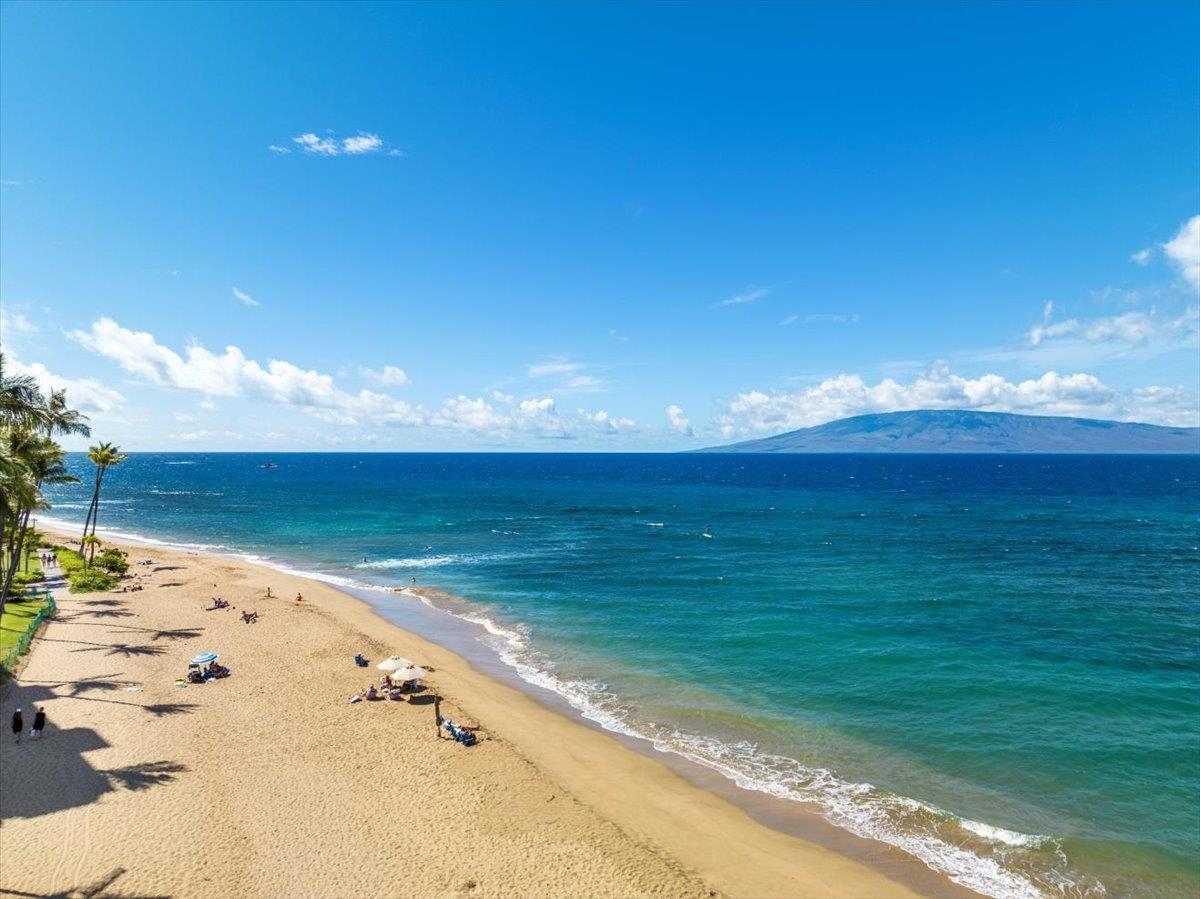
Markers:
point(18, 725)
point(39, 722)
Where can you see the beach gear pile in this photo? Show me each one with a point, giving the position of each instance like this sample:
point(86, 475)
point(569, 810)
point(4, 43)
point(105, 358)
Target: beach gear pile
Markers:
point(460, 734)
point(204, 668)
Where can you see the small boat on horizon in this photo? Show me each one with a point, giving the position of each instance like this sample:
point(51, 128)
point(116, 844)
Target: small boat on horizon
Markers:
point(268, 464)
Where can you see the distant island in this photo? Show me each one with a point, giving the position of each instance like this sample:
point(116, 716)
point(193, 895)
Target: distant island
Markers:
point(957, 431)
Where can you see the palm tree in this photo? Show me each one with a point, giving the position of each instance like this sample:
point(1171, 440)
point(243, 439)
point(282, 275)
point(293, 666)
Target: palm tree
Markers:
point(29, 457)
point(41, 462)
point(61, 420)
point(103, 455)
point(21, 400)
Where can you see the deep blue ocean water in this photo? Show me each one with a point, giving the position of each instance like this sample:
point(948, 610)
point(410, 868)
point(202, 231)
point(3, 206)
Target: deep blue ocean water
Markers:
point(992, 662)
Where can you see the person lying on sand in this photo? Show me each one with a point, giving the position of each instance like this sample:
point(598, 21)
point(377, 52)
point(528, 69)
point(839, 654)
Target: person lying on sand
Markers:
point(249, 617)
point(217, 604)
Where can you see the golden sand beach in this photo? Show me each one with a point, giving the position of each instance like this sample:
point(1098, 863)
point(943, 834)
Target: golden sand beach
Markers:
point(270, 783)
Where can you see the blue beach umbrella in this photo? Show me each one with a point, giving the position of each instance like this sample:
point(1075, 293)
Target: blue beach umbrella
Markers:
point(204, 658)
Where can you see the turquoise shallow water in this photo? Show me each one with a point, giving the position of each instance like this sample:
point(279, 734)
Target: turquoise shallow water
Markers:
point(991, 662)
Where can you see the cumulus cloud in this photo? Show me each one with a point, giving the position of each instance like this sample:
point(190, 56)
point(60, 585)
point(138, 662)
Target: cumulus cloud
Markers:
point(756, 412)
point(679, 422)
point(1183, 250)
point(231, 374)
point(15, 322)
point(1134, 327)
point(244, 298)
point(360, 144)
point(605, 423)
point(1142, 257)
point(749, 295)
point(85, 394)
point(389, 376)
point(537, 416)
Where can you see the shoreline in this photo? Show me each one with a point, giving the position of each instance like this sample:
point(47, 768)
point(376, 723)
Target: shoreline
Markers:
point(738, 851)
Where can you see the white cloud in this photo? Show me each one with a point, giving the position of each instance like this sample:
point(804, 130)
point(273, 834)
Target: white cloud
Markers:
point(585, 384)
point(749, 295)
point(538, 417)
point(1184, 251)
point(319, 146)
point(790, 320)
point(1134, 328)
point(556, 365)
point(389, 376)
point(1142, 257)
point(605, 423)
point(244, 298)
point(232, 374)
point(85, 394)
point(15, 323)
point(679, 421)
point(756, 413)
point(208, 405)
point(361, 144)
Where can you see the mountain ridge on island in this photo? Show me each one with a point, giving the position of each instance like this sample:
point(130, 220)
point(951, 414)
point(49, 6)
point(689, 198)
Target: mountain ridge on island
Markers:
point(968, 431)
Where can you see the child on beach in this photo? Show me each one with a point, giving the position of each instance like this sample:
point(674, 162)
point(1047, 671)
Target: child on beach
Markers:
point(39, 722)
point(18, 724)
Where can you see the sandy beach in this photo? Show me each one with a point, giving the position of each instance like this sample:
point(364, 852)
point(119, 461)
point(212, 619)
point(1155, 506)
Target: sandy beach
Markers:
point(270, 783)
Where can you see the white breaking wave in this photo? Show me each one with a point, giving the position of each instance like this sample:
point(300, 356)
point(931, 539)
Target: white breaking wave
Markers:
point(860, 808)
point(439, 561)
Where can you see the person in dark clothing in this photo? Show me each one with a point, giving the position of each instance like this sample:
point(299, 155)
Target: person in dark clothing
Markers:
point(18, 724)
point(39, 722)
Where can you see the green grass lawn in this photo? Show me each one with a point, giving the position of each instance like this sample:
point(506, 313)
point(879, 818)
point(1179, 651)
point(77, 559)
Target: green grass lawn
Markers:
point(19, 612)
point(15, 621)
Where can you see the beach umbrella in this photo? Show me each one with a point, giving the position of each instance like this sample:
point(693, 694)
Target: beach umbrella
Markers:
point(393, 663)
point(204, 658)
point(412, 672)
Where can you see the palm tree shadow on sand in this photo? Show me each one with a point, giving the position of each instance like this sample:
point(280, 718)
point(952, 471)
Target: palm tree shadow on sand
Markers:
point(124, 649)
point(98, 889)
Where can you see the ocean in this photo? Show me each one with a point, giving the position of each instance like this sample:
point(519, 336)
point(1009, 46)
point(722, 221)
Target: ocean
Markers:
point(990, 662)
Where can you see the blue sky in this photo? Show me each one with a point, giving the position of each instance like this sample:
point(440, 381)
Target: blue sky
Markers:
point(588, 227)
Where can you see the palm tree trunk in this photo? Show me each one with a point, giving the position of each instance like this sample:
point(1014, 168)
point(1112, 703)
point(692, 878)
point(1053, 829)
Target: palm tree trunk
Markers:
point(14, 557)
point(91, 511)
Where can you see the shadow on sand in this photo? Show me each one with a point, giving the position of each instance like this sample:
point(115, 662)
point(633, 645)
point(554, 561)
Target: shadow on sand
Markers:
point(38, 777)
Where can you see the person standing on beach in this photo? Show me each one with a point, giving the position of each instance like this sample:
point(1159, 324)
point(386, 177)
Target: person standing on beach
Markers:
point(39, 722)
point(18, 724)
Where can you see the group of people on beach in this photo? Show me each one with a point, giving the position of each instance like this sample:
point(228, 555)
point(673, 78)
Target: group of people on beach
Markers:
point(48, 560)
point(387, 689)
point(39, 723)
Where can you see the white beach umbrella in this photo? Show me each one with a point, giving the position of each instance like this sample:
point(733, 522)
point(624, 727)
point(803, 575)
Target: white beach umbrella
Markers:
point(204, 658)
point(412, 672)
point(394, 663)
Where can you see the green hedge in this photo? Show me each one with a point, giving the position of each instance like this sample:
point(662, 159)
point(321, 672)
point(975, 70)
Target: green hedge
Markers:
point(112, 560)
point(91, 580)
point(69, 560)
